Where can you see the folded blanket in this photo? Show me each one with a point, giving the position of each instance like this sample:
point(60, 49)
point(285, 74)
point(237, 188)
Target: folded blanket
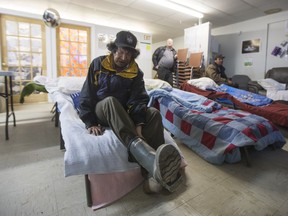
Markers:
point(187, 99)
point(245, 96)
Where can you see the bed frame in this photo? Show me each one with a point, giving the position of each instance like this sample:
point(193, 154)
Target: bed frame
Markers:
point(56, 120)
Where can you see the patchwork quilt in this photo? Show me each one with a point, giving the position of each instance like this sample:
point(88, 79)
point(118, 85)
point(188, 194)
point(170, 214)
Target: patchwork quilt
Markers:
point(213, 132)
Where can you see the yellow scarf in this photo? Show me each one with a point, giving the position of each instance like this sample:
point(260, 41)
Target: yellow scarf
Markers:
point(129, 72)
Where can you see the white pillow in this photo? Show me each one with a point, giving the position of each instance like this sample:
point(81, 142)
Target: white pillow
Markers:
point(270, 84)
point(151, 84)
point(70, 85)
point(203, 83)
point(42, 80)
point(278, 95)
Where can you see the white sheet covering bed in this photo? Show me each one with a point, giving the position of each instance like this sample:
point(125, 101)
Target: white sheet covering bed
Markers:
point(86, 153)
point(275, 90)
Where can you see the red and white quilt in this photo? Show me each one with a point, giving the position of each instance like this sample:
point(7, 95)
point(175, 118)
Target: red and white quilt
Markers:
point(213, 132)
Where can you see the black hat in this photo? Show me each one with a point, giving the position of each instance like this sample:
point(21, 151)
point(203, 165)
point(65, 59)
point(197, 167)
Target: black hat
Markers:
point(126, 39)
point(220, 56)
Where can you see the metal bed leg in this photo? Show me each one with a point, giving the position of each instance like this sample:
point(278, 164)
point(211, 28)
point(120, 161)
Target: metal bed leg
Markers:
point(245, 154)
point(62, 143)
point(55, 117)
point(273, 146)
point(88, 191)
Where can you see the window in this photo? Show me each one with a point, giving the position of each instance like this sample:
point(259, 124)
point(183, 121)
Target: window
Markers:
point(73, 50)
point(23, 51)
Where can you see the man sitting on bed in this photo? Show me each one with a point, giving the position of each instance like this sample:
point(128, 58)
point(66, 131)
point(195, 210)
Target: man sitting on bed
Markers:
point(114, 95)
point(216, 72)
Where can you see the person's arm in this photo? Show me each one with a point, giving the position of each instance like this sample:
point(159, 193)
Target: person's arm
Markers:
point(88, 99)
point(223, 74)
point(139, 131)
point(137, 103)
point(175, 60)
point(155, 58)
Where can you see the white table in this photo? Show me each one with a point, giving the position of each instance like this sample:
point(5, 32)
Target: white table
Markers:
point(8, 95)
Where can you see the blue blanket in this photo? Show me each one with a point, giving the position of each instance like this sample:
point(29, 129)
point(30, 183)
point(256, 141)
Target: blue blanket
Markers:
point(186, 99)
point(243, 96)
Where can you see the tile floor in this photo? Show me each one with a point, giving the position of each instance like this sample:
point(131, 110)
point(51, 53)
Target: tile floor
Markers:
point(32, 180)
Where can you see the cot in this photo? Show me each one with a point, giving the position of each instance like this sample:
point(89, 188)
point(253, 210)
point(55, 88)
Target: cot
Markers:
point(103, 160)
point(275, 111)
point(214, 132)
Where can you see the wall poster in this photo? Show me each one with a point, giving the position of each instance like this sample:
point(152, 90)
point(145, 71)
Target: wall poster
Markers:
point(251, 46)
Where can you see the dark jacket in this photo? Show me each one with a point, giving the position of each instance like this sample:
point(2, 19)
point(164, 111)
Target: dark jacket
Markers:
point(217, 73)
point(103, 81)
point(158, 54)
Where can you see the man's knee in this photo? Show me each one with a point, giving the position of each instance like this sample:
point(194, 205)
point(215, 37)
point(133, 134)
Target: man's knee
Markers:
point(110, 100)
point(106, 104)
point(155, 114)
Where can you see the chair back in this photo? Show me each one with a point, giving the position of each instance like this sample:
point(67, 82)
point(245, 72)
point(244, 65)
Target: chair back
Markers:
point(182, 55)
point(195, 60)
point(241, 80)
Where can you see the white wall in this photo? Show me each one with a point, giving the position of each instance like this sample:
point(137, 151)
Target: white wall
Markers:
point(178, 43)
point(275, 37)
point(231, 48)
point(230, 39)
point(198, 39)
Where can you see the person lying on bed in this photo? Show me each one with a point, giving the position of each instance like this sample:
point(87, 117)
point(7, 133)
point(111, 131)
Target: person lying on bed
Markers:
point(114, 95)
point(216, 72)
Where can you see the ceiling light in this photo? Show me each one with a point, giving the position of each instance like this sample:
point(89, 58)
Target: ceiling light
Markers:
point(177, 7)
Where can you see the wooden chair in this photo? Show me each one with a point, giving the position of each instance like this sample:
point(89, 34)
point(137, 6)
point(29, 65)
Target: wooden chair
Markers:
point(195, 62)
point(181, 67)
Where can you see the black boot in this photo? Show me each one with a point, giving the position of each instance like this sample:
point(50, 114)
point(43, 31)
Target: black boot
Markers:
point(163, 164)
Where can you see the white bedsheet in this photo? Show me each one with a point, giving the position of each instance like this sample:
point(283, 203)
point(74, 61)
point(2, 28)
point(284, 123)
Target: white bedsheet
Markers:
point(277, 95)
point(275, 90)
point(85, 153)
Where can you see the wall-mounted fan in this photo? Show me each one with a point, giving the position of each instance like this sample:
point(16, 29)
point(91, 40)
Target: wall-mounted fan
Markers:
point(51, 17)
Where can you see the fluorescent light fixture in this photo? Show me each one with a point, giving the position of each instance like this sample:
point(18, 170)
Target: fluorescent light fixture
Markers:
point(177, 7)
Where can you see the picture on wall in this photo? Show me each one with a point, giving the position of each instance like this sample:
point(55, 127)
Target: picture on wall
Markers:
point(251, 46)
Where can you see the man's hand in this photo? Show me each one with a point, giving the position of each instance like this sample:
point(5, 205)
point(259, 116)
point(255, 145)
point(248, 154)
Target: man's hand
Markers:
point(139, 131)
point(96, 130)
point(229, 81)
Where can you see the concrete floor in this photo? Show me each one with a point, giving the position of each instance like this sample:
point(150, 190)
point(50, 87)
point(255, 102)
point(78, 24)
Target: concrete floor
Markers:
point(32, 179)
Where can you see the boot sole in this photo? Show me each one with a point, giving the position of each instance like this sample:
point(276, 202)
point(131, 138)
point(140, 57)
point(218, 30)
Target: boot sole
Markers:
point(168, 161)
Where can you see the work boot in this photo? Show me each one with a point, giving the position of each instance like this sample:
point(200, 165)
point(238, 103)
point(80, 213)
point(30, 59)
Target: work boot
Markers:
point(163, 164)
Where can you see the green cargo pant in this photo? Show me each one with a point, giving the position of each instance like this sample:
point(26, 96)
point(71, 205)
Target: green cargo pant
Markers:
point(111, 113)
